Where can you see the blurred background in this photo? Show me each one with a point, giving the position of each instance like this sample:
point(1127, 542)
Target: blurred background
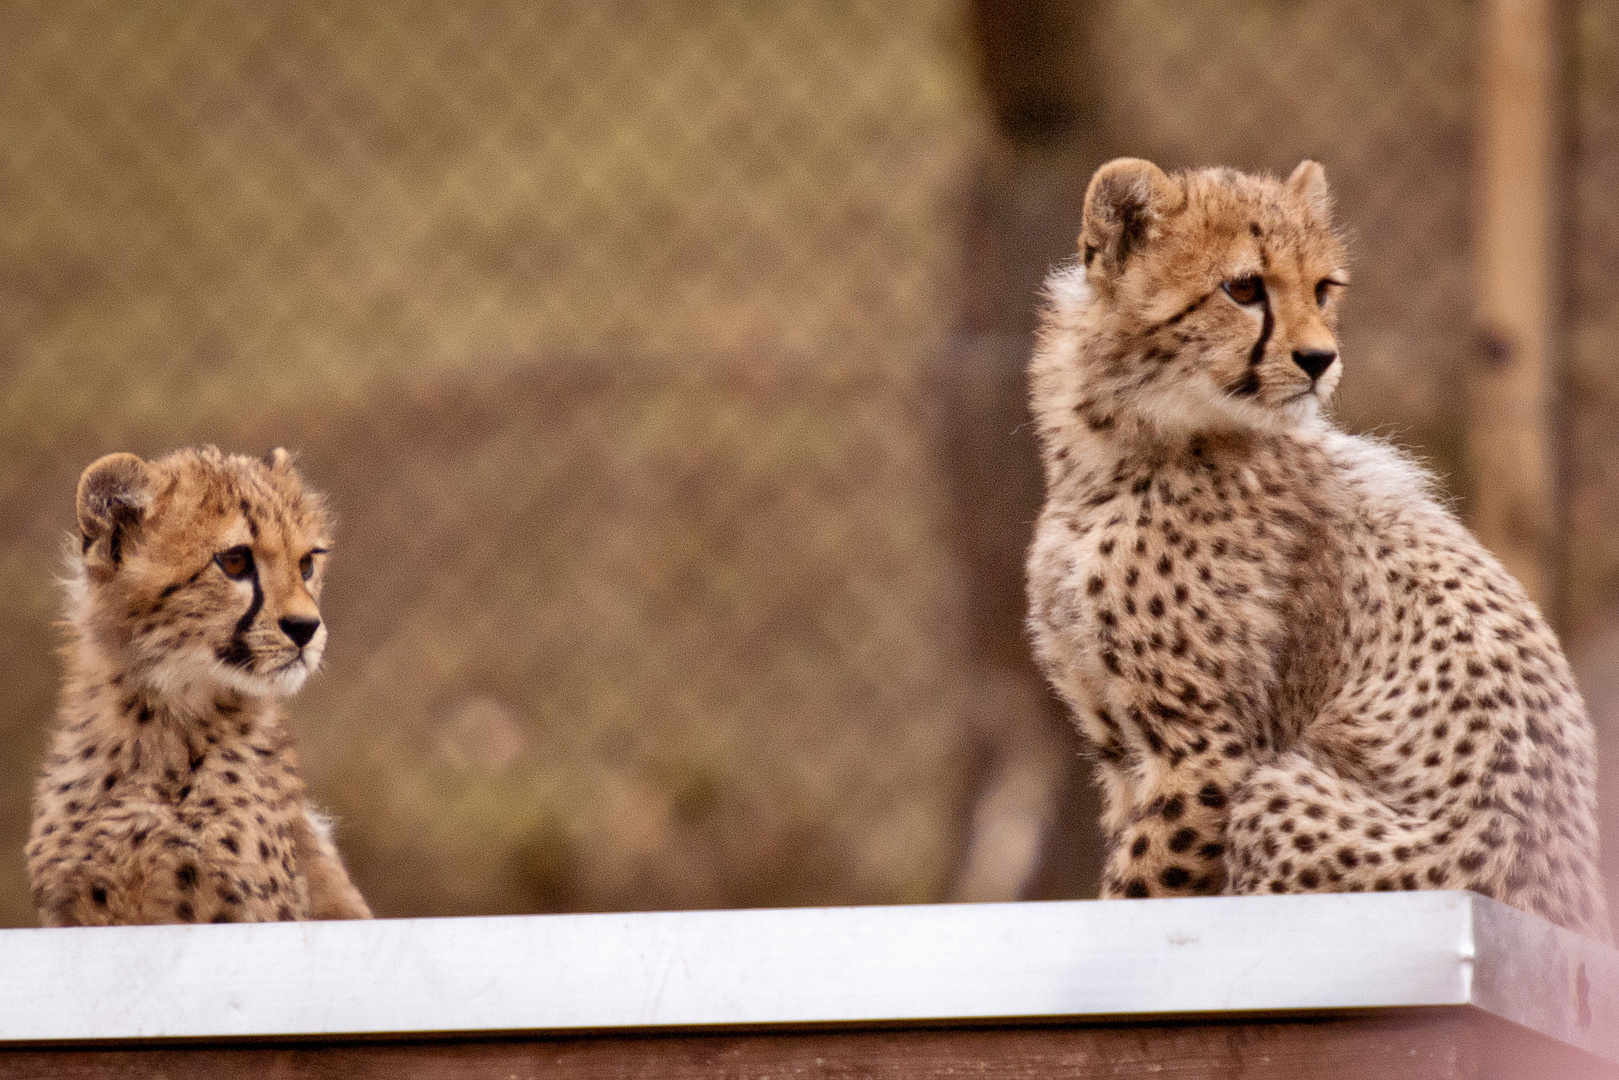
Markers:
point(663, 361)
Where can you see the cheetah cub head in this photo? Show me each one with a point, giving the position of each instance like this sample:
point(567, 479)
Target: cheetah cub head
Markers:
point(1204, 301)
point(201, 571)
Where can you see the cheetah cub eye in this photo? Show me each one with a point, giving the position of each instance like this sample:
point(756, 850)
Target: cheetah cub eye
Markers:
point(306, 565)
point(236, 562)
point(1321, 293)
point(1249, 290)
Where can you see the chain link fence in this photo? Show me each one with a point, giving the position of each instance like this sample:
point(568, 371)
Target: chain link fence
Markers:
point(621, 335)
point(603, 324)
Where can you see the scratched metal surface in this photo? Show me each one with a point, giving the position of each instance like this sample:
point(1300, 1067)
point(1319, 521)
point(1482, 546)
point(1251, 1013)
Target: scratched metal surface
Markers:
point(810, 965)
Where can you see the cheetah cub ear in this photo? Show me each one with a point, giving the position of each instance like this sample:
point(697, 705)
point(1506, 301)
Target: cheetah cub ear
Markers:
point(115, 495)
point(278, 459)
point(1309, 183)
point(1125, 201)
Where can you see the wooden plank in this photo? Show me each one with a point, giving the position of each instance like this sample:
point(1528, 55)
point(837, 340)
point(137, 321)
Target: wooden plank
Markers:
point(1066, 960)
point(1511, 443)
point(1069, 962)
point(1414, 1045)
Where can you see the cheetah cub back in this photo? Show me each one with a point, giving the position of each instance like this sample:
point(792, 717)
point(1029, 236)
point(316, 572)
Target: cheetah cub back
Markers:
point(170, 792)
point(1297, 670)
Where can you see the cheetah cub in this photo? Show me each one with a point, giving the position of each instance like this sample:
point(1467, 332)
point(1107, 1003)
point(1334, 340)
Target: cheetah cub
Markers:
point(171, 791)
point(1297, 670)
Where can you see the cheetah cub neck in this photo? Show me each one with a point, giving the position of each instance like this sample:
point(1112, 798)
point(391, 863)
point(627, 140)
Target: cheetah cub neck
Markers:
point(1202, 304)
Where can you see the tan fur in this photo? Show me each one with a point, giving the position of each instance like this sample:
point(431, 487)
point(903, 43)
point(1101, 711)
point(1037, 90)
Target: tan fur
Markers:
point(1298, 671)
point(171, 791)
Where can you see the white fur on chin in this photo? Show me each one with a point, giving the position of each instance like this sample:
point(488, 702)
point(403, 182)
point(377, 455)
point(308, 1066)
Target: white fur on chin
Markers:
point(195, 675)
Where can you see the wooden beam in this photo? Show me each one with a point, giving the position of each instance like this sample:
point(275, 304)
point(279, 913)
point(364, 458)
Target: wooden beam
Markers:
point(1090, 963)
point(1435, 985)
point(1512, 446)
point(1442, 1044)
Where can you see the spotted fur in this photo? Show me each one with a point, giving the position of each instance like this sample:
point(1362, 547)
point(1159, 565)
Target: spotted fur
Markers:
point(1297, 670)
point(170, 792)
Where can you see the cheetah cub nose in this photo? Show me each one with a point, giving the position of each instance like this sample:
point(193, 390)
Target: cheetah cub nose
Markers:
point(299, 628)
point(1314, 361)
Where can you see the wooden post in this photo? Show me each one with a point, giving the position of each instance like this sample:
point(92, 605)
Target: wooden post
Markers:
point(1030, 811)
point(1511, 440)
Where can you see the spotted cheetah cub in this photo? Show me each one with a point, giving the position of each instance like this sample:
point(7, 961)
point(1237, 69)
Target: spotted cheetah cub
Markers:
point(1298, 671)
point(171, 791)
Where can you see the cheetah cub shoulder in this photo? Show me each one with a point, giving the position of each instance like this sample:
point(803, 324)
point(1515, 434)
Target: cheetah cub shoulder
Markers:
point(170, 792)
point(1297, 670)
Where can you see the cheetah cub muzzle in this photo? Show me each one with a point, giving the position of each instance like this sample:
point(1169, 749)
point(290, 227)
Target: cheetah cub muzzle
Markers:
point(171, 791)
point(1297, 670)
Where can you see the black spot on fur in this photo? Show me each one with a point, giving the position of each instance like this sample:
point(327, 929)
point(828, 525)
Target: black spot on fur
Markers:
point(1173, 877)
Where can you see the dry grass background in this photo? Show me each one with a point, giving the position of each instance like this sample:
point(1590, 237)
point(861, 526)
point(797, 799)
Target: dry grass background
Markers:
point(612, 330)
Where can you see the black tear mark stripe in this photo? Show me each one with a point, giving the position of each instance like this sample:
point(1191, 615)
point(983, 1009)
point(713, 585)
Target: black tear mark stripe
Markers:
point(237, 652)
point(1248, 386)
point(1265, 329)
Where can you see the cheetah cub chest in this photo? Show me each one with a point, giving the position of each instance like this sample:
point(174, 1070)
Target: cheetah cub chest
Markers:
point(170, 792)
point(1297, 670)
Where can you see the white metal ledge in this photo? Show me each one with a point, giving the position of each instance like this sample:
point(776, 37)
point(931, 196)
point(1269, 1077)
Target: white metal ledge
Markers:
point(562, 973)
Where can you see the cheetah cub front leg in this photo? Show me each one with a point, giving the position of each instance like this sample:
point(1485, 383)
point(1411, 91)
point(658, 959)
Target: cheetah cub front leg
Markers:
point(1171, 686)
point(1297, 670)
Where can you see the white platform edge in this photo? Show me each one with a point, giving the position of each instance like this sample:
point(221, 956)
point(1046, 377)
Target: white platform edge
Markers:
point(809, 965)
